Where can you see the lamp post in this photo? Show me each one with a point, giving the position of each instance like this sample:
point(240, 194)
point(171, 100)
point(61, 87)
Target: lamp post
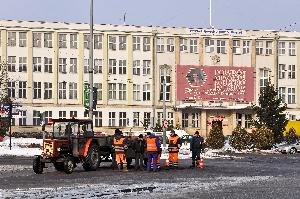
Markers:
point(91, 68)
point(164, 69)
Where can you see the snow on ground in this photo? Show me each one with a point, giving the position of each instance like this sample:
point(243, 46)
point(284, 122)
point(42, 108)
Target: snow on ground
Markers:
point(145, 190)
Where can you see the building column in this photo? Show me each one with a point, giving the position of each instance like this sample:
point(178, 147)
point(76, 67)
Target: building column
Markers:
point(253, 64)
point(230, 52)
point(105, 69)
point(129, 70)
point(80, 68)
point(298, 74)
point(201, 51)
point(4, 46)
point(55, 67)
point(203, 123)
point(29, 67)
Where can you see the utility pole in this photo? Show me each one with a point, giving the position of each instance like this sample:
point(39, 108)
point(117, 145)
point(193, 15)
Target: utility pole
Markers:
point(91, 61)
point(164, 70)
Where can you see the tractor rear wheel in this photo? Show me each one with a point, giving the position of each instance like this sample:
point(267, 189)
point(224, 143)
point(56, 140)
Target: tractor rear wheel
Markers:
point(92, 160)
point(38, 166)
point(69, 165)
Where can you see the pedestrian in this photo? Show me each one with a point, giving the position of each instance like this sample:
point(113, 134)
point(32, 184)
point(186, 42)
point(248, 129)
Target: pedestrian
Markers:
point(139, 148)
point(173, 148)
point(153, 146)
point(196, 147)
point(113, 155)
point(119, 146)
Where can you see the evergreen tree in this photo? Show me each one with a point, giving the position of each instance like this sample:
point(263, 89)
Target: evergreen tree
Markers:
point(269, 112)
point(291, 136)
point(263, 138)
point(215, 139)
point(240, 138)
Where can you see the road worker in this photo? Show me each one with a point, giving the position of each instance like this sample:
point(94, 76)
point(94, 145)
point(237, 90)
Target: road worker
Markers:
point(152, 146)
point(173, 148)
point(196, 147)
point(119, 146)
point(158, 155)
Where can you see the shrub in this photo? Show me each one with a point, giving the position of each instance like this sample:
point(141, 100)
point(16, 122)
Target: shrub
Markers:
point(263, 138)
point(240, 138)
point(215, 139)
point(291, 136)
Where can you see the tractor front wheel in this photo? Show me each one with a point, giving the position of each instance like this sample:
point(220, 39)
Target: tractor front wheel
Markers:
point(69, 165)
point(92, 160)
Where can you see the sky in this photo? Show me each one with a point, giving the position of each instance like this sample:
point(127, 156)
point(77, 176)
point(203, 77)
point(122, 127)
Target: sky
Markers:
point(226, 14)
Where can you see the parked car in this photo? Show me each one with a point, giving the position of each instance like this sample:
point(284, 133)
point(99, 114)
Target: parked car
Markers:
point(289, 148)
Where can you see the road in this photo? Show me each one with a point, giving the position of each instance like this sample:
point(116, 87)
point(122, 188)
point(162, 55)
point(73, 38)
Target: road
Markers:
point(239, 176)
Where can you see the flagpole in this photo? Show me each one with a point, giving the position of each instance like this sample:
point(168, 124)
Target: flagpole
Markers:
point(210, 22)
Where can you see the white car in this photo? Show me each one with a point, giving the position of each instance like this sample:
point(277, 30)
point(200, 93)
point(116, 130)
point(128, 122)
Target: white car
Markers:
point(289, 148)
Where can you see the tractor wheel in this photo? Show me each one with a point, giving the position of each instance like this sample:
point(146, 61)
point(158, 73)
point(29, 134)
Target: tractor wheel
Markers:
point(92, 160)
point(59, 166)
point(38, 166)
point(69, 165)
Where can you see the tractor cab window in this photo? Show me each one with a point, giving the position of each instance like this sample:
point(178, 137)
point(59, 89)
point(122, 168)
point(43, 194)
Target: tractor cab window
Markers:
point(86, 130)
point(65, 129)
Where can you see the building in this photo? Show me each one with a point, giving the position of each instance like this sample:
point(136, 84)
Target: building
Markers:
point(212, 75)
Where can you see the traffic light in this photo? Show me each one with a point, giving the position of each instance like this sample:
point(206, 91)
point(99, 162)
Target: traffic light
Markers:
point(94, 97)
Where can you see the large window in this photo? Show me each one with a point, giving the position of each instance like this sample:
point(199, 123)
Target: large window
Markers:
point(97, 41)
point(170, 45)
point(264, 78)
point(72, 90)
point(47, 65)
point(246, 47)
point(73, 114)
point(136, 42)
point(281, 48)
point(122, 91)
point(63, 65)
point(37, 90)
point(11, 64)
point(146, 92)
point(112, 119)
point(165, 73)
point(48, 40)
point(259, 47)
point(292, 72)
point(147, 119)
point(292, 49)
point(122, 119)
point(236, 44)
point(122, 42)
point(112, 66)
point(221, 46)
point(281, 71)
point(183, 44)
point(160, 44)
point(209, 45)
point(86, 41)
point(37, 65)
point(11, 39)
point(98, 118)
point(112, 91)
point(195, 120)
point(62, 114)
point(185, 120)
point(86, 66)
point(248, 121)
point(62, 39)
point(47, 90)
point(122, 67)
point(136, 92)
point(136, 118)
point(11, 87)
point(73, 65)
point(193, 45)
point(136, 69)
point(22, 89)
point(22, 119)
point(291, 96)
point(146, 44)
point(99, 90)
point(62, 90)
point(112, 42)
point(97, 66)
point(22, 39)
point(37, 39)
point(22, 64)
point(269, 47)
point(36, 120)
point(48, 116)
point(146, 67)
point(73, 41)
point(282, 94)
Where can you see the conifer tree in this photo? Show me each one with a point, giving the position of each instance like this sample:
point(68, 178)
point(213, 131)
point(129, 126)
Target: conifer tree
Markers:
point(240, 138)
point(291, 136)
point(215, 139)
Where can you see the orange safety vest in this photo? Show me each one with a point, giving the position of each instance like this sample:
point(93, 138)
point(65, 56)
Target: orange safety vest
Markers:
point(173, 144)
point(119, 146)
point(151, 144)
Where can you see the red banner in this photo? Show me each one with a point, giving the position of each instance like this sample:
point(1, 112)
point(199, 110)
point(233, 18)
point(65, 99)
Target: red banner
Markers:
point(224, 83)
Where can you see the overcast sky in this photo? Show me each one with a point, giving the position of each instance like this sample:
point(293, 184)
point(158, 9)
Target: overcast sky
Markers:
point(245, 14)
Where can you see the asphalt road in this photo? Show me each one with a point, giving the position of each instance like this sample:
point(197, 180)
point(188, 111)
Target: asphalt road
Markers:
point(240, 176)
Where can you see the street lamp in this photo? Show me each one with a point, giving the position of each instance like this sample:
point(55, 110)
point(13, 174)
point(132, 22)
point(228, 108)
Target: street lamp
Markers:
point(164, 68)
point(91, 69)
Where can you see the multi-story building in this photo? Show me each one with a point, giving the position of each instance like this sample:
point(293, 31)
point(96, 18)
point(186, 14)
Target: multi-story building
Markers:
point(211, 75)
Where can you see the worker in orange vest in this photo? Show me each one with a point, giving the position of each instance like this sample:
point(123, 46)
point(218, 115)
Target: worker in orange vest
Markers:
point(173, 148)
point(119, 146)
point(152, 146)
point(158, 156)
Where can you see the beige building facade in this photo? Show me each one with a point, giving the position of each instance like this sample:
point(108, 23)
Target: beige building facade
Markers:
point(47, 64)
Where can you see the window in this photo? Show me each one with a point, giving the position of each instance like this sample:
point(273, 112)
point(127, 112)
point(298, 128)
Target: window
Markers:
point(62, 65)
point(195, 120)
point(122, 119)
point(170, 45)
point(292, 49)
point(221, 46)
point(98, 118)
point(281, 93)
point(165, 73)
point(122, 91)
point(22, 64)
point(73, 114)
point(97, 66)
point(146, 67)
point(136, 43)
point(146, 44)
point(112, 91)
point(248, 119)
point(281, 70)
point(292, 72)
point(239, 119)
point(193, 46)
point(48, 40)
point(147, 119)
point(264, 78)
point(22, 39)
point(136, 69)
point(160, 46)
point(86, 41)
point(37, 39)
point(86, 66)
point(146, 92)
point(11, 88)
point(122, 42)
point(112, 119)
point(72, 90)
point(62, 40)
point(47, 90)
point(62, 114)
point(36, 120)
point(112, 66)
point(269, 47)
point(48, 65)
point(185, 120)
point(48, 116)
point(62, 90)
point(281, 48)
point(73, 41)
point(122, 67)
point(160, 118)
point(97, 41)
point(22, 89)
point(11, 64)
point(246, 47)
point(11, 39)
point(99, 90)
point(112, 40)
point(73, 65)
point(236, 44)
point(22, 119)
point(209, 45)
point(171, 118)
point(37, 67)
point(136, 118)
point(183, 44)
point(136, 92)
point(291, 96)
point(259, 47)
point(37, 90)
